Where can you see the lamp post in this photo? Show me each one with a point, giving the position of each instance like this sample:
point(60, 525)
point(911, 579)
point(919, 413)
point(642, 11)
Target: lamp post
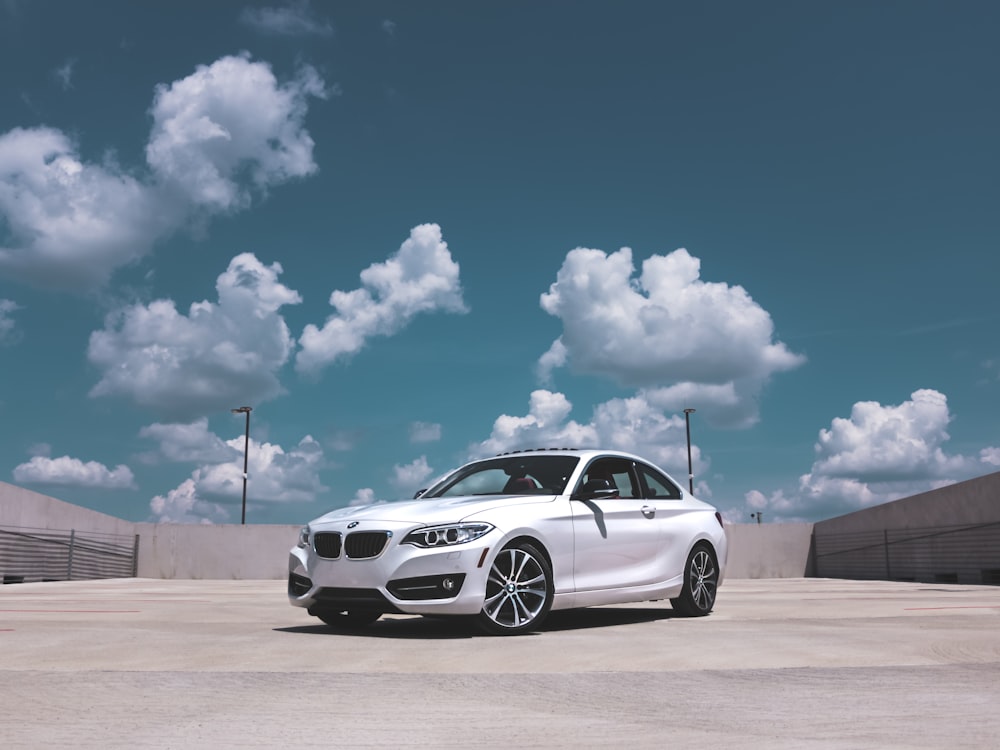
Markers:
point(757, 515)
point(687, 422)
point(246, 452)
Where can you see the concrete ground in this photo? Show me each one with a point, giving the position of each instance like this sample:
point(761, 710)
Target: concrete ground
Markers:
point(784, 663)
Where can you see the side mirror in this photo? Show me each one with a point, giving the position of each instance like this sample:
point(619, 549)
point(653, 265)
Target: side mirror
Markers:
point(596, 488)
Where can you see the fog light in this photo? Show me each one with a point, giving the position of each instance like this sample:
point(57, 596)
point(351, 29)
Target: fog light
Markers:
point(447, 584)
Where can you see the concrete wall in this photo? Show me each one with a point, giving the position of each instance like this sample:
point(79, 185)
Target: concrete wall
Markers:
point(189, 551)
point(21, 508)
point(769, 550)
point(256, 552)
point(973, 501)
point(192, 551)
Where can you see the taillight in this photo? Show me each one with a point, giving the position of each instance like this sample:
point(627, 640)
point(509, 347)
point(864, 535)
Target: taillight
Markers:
point(718, 517)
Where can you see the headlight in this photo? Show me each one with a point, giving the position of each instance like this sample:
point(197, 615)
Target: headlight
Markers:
point(304, 537)
point(441, 536)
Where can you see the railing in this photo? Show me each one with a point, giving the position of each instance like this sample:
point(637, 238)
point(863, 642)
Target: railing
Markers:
point(55, 555)
point(942, 554)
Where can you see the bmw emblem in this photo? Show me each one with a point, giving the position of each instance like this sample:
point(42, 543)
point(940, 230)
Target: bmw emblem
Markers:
point(352, 524)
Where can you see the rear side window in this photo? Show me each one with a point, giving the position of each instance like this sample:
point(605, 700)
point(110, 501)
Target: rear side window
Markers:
point(658, 485)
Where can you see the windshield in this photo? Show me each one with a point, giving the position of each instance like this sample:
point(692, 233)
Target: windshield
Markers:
point(521, 474)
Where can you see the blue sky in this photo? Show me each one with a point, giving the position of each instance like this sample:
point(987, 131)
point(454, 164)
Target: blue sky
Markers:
point(408, 234)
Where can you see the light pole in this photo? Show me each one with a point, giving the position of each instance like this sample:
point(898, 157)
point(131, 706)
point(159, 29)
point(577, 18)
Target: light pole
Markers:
point(687, 422)
point(757, 515)
point(246, 452)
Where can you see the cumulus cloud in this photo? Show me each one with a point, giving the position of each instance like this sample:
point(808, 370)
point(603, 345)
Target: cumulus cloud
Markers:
point(220, 135)
point(294, 19)
point(630, 424)
point(72, 472)
point(8, 333)
point(69, 223)
point(681, 340)
point(425, 432)
point(880, 453)
point(364, 496)
point(275, 475)
point(229, 119)
point(888, 443)
point(182, 505)
point(420, 277)
point(207, 360)
point(412, 476)
point(189, 443)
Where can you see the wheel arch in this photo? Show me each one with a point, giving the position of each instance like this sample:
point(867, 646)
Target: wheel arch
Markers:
point(528, 539)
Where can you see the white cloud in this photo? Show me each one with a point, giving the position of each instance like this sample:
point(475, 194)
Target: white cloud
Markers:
point(182, 505)
point(275, 475)
point(191, 442)
point(8, 333)
point(412, 476)
point(631, 425)
point(685, 341)
point(208, 360)
point(224, 131)
point(294, 19)
point(420, 277)
point(69, 223)
point(228, 119)
point(389, 27)
point(64, 74)
point(425, 432)
point(888, 443)
point(880, 453)
point(72, 472)
point(364, 496)
point(990, 456)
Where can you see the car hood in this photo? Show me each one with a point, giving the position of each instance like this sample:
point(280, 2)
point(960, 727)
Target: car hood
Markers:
point(429, 511)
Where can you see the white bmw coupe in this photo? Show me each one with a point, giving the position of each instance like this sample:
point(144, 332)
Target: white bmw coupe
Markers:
point(507, 539)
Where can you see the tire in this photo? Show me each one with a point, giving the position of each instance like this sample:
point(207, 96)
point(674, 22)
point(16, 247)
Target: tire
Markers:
point(701, 581)
point(518, 591)
point(350, 620)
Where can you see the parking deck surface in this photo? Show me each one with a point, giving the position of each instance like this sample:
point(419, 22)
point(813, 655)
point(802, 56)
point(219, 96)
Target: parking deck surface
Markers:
point(788, 663)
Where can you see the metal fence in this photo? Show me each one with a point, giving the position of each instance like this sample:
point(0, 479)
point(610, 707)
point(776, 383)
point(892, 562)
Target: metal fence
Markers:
point(942, 554)
point(54, 555)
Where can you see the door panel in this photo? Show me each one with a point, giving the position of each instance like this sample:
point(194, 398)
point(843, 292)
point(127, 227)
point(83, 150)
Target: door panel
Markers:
point(617, 543)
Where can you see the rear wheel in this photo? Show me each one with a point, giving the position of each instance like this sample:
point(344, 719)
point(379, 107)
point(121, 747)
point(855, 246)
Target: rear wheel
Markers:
point(701, 580)
point(518, 591)
point(350, 619)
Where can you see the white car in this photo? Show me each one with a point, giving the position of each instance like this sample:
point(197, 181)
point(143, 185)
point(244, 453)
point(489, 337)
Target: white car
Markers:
point(507, 539)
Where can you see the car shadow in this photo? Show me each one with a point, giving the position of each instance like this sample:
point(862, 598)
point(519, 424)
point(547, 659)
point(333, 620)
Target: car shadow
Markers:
point(604, 617)
point(445, 628)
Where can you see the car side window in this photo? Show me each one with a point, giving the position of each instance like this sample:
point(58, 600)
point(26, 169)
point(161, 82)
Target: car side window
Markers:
point(658, 485)
point(618, 472)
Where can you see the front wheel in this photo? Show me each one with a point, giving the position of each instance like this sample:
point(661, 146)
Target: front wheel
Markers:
point(518, 591)
point(701, 580)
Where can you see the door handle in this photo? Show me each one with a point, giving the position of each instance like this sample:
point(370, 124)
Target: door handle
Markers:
point(648, 511)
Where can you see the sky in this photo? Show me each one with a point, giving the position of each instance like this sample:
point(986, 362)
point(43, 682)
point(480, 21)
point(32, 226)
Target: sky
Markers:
point(412, 234)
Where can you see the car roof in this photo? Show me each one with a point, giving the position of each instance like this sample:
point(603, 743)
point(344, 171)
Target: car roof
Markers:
point(584, 453)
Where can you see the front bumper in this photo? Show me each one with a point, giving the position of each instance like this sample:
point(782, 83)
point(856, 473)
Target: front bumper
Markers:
point(403, 578)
